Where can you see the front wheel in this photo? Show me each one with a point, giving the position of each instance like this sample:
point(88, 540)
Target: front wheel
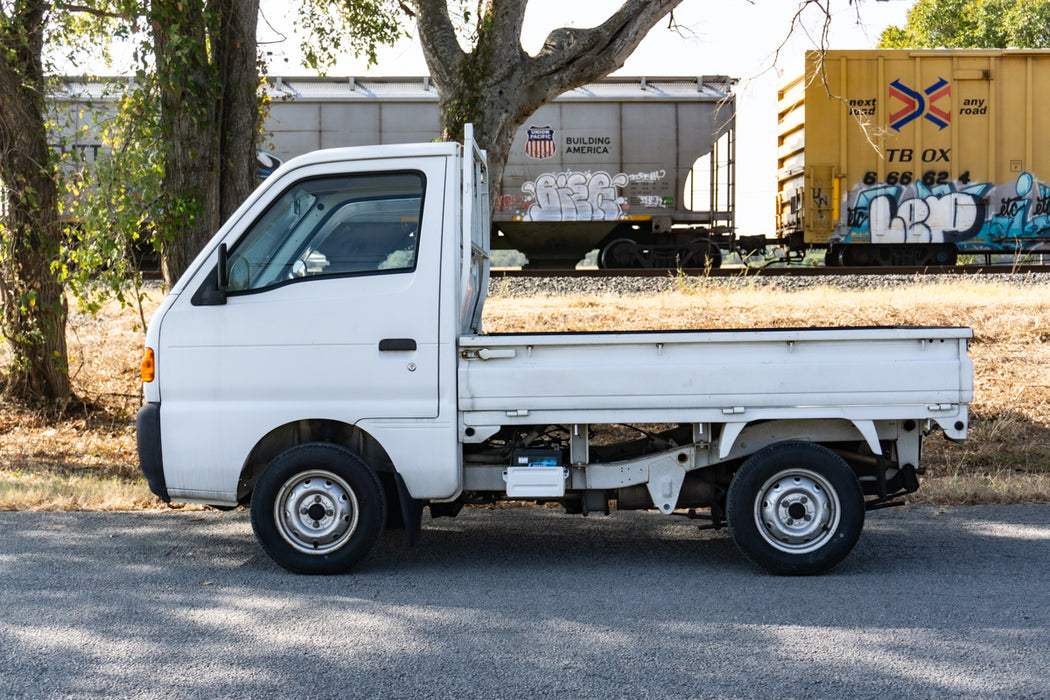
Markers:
point(795, 508)
point(318, 509)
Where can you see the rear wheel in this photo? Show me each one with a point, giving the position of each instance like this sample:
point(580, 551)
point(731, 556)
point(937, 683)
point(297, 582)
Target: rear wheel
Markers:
point(318, 509)
point(795, 508)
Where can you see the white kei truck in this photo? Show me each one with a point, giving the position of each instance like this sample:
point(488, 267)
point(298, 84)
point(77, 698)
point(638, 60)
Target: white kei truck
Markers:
point(323, 360)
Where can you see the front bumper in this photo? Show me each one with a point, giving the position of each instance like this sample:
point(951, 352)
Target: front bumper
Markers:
point(151, 461)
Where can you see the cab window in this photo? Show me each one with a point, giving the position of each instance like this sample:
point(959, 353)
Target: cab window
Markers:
point(347, 225)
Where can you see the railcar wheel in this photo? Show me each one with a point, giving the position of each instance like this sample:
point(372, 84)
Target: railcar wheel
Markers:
point(620, 253)
point(318, 509)
point(945, 255)
point(700, 252)
point(795, 508)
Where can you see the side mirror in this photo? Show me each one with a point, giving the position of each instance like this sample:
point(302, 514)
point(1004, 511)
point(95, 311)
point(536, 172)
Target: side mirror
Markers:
point(223, 269)
point(213, 291)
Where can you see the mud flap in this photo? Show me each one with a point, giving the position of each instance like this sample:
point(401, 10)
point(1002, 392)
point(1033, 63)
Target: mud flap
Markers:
point(411, 512)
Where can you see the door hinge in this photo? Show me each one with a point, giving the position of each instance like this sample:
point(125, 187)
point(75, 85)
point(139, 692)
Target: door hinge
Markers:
point(489, 354)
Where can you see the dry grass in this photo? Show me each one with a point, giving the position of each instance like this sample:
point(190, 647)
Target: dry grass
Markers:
point(1006, 459)
point(87, 458)
point(40, 491)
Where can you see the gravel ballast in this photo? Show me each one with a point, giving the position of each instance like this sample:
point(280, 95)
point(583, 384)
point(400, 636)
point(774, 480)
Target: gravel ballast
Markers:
point(506, 286)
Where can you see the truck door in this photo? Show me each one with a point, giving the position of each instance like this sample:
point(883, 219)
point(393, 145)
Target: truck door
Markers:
point(331, 310)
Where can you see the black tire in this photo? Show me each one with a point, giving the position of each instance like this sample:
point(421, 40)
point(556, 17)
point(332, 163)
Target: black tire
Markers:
point(795, 508)
point(318, 509)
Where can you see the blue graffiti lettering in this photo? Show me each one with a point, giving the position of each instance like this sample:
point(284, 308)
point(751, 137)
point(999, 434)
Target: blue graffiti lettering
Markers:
point(974, 216)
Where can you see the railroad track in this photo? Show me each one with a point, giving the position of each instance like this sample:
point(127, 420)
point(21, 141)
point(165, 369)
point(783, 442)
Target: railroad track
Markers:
point(796, 271)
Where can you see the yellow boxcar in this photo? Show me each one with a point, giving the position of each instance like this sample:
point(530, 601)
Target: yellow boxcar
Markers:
point(913, 157)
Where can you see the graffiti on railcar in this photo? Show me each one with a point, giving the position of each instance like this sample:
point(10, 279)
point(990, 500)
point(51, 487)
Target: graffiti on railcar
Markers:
point(972, 215)
point(588, 196)
point(575, 196)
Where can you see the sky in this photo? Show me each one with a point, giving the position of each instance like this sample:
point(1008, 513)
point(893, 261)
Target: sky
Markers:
point(715, 37)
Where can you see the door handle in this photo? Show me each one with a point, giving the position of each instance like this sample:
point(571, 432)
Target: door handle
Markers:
point(397, 344)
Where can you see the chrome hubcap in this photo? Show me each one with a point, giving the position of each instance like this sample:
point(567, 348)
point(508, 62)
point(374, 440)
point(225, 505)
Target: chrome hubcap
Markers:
point(797, 511)
point(316, 512)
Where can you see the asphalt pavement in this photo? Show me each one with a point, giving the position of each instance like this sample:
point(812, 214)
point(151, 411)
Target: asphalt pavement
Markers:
point(933, 602)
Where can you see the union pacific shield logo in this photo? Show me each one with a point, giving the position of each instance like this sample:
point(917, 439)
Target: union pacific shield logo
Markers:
point(539, 143)
point(908, 104)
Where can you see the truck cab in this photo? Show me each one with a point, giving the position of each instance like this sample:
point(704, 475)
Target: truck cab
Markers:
point(323, 361)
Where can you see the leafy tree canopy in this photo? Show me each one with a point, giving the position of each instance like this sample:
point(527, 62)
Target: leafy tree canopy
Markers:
point(356, 27)
point(987, 24)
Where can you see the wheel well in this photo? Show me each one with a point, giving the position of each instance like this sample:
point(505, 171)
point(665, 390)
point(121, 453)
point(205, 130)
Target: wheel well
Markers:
point(311, 430)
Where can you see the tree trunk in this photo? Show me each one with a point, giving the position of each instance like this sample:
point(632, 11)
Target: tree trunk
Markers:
point(208, 77)
point(188, 110)
point(237, 61)
point(34, 305)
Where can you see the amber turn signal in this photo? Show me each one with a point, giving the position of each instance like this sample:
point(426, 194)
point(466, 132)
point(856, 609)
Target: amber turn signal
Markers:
point(149, 366)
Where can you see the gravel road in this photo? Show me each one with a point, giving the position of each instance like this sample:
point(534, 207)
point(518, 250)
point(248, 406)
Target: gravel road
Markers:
point(934, 602)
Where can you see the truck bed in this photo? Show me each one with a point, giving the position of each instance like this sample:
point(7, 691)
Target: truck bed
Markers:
point(717, 376)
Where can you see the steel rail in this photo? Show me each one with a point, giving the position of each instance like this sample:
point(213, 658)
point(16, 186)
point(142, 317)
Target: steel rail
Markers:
point(779, 271)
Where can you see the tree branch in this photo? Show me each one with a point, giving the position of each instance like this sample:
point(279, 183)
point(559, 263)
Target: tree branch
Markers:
point(441, 48)
point(93, 11)
point(573, 57)
point(498, 42)
point(509, 16)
